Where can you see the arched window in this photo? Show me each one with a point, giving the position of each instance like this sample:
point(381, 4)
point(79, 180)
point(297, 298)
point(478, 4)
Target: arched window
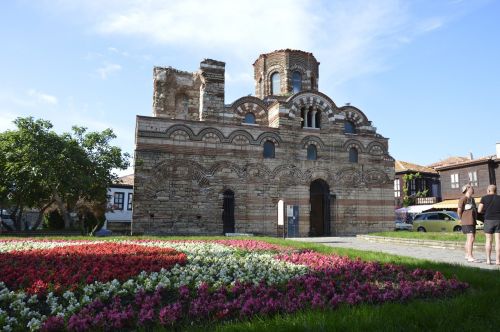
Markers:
point(296, 82)
point(318, 119)
point(303, 115)
point(353, 155)
point(261, 90)
point(249, 118)
point(275, 84)
point(312, 152)
point(268, 149)
point(349, 127)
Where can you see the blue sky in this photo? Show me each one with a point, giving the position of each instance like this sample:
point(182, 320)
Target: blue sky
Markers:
point(426, 73)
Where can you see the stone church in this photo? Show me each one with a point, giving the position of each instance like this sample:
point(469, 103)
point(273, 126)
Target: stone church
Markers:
point(287, 161)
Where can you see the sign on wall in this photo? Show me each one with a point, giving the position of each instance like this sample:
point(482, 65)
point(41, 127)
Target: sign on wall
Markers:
point(292, 212)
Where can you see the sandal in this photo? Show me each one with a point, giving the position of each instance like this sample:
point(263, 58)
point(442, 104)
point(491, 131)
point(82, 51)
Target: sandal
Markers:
point(472, 260)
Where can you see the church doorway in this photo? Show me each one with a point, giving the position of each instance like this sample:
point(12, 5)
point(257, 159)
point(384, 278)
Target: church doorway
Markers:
point(228, 212)
point(319, 218)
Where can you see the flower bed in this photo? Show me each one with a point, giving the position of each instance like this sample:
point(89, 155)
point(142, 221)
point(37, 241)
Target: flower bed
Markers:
point(149, 283)
point(68, 267)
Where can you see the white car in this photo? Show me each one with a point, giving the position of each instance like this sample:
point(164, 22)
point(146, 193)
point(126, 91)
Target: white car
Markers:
point(5, 219)
point(402, 226)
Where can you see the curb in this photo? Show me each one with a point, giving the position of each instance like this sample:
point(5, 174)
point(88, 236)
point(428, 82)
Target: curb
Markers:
point(425, 243)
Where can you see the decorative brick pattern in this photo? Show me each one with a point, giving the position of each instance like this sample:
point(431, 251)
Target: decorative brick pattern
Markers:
point(185, 162)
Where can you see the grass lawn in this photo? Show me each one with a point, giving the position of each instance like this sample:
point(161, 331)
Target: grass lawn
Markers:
point(439, 236)
point(475, 310)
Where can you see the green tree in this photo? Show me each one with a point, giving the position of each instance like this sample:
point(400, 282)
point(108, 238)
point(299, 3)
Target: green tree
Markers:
point(40, 167)
point(24, 157)
point(94, 183)
point(410, 199)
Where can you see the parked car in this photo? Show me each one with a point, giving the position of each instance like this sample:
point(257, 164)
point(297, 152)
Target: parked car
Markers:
point(400, 225)
point(5, 220)
point(103, 232)
point(437, 221)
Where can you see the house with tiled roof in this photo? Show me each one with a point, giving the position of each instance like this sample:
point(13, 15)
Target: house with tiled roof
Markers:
point(458, 171)
point(427, 184)
point(119, 209)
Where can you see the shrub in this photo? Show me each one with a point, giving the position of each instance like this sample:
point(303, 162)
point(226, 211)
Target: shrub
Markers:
point(53, 220)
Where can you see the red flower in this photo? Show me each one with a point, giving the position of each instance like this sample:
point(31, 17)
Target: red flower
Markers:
point(66, 267)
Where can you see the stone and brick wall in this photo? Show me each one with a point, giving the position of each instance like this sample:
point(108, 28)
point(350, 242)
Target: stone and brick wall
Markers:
point(183, 165)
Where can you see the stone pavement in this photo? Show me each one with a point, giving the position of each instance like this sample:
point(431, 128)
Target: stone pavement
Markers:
point(434, 253)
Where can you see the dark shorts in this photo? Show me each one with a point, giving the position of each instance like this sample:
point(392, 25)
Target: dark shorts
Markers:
point(491, 226)
point(469, 229)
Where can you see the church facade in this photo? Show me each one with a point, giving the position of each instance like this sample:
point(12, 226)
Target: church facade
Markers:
point(285, 161)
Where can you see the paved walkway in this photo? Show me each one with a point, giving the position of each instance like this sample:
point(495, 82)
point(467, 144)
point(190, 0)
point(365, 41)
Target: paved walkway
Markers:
point(445, 255)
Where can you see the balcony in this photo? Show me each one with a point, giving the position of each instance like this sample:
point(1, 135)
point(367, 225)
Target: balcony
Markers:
point(425, 200)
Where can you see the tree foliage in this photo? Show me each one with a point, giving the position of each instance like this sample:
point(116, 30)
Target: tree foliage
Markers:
point(39, 167)
point(407, 198)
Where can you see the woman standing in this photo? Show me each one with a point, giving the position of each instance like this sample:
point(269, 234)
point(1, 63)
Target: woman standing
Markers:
point(468, 213)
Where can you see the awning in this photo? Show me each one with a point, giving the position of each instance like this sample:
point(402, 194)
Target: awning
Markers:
point(451, 204)
point(418, 208)
point(413, 209)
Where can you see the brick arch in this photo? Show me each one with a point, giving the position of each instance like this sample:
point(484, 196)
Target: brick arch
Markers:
point(299, 68)
point(288, 171)
point(311, 98)
point(312, 140)
point(217, 167)
point(257, 170)
point(275, 138)
point(376, 176)
point(180, 127)
point(162, 171)
point(353, 143)
point(250, 104)
point(349, 177)
point(318, 172)
point(273, 68)
point(207, 131)
point(243, 133)
point(354, 115)
point(374, 147)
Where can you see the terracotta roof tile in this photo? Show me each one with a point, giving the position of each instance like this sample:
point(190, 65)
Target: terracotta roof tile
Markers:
point(126, 179)
point(452, 161)
point(449, 161)
point(403, 166)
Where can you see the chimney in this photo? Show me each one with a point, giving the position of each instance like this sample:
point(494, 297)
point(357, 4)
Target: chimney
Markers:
point(471, 157)
point(498, 150)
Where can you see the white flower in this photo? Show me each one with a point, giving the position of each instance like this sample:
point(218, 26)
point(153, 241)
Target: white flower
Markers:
point(34, 324)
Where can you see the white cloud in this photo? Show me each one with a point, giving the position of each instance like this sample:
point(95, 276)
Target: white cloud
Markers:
point(42, 98)
point(108, 69)
point(212, 23)
point(430, 24)
point(6, 120)
point(350, 38)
